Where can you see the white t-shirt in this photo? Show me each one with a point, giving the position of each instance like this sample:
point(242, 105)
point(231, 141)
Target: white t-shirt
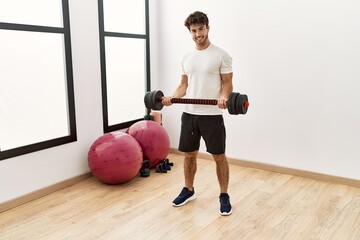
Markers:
point(203, 69)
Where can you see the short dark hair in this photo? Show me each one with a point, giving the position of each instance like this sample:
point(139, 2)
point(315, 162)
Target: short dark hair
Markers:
point(196, 18)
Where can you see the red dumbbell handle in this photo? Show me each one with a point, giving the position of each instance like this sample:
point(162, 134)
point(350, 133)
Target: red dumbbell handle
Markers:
point(194, 101)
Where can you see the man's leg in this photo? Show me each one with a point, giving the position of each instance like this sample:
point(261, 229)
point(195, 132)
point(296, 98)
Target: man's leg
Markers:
point(222, 170)
point(213, 131)
point(189, 144)
point(188, 193)
point(190, 167)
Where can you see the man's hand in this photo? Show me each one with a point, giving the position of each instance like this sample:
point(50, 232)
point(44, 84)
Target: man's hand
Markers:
point(166, 100)
point(222, 103)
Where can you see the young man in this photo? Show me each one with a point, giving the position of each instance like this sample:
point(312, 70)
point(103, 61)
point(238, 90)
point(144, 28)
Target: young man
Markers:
point(206, 74)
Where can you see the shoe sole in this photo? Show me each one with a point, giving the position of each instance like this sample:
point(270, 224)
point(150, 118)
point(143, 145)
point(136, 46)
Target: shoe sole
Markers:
point(193, 197)
point(225, 213)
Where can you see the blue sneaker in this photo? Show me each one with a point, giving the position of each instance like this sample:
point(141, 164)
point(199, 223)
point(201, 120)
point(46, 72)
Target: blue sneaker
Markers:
point(184, 197)
point(225, 206)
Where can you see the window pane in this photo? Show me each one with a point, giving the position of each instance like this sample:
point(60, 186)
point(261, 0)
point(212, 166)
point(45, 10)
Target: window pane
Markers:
point(124, 16)
point(125, 78)
point(32, 12)
point(33, 93)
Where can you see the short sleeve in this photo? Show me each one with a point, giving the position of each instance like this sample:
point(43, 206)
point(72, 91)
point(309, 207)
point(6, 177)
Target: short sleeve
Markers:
point(182, 63)
point(182, 70)
point(226, 63)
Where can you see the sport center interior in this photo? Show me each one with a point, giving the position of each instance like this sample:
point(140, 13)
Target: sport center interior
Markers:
point(72, 71)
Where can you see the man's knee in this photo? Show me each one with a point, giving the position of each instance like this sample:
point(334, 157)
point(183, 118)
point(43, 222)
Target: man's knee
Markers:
point(219, 157)
point(191, 154)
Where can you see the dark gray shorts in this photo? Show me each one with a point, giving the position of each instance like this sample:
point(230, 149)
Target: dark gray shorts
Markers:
point(210, 127)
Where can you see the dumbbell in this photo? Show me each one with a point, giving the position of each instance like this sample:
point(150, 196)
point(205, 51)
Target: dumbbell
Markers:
point(236, 104)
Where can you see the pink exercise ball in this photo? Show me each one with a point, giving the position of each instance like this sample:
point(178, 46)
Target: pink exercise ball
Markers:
point(115, 158)
point(153, 139)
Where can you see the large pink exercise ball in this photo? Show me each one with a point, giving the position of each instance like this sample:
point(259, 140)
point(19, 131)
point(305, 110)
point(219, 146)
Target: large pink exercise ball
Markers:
point(115, 158)
point(153, 139)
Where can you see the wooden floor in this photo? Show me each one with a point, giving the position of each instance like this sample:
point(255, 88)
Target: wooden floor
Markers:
point(266, 205)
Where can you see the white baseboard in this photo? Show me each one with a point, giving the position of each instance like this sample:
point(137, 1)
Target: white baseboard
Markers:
point(284, 170)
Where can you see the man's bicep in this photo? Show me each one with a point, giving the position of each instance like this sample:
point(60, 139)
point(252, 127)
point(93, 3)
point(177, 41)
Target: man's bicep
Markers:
point(184, 80)
point(181, 89)
point(226, 78)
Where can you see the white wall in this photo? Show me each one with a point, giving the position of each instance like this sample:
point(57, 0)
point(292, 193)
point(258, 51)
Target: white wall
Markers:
point(298, 61)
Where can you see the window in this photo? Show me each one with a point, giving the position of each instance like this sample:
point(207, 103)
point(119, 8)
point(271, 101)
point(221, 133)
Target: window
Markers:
point(36, 95)
point(125, 65)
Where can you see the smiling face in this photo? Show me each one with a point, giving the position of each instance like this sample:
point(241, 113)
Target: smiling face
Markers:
point(198, 25)
point(199, 34)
